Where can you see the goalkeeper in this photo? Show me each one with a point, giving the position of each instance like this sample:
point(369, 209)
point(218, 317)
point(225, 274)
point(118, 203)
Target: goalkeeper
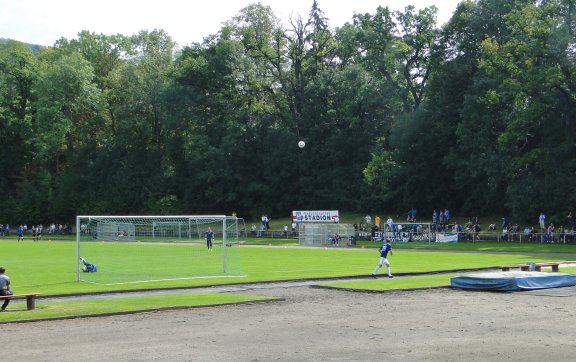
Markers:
point(88, 267)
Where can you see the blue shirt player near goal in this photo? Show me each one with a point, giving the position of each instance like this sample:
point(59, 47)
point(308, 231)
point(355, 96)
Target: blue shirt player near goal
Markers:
point(209, 238)
point(384, 250)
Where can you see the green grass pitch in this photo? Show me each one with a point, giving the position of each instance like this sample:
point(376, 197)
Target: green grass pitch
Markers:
point(49, 268)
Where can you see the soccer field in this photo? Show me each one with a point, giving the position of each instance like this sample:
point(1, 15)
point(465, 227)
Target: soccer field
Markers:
point(49, 268)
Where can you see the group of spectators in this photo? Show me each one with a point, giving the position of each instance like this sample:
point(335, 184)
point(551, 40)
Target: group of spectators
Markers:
point(36, 231)
point(443, 222)
point(547, 232)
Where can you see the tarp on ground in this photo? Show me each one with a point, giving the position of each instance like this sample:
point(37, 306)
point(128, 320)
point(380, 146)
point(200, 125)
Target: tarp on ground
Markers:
point(513, 281)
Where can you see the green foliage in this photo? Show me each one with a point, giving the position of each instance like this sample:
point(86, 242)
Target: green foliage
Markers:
point(476, 116)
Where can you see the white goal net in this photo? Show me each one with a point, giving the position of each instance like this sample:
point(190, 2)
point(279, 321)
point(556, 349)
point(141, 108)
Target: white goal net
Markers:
point(321, 234)
point(137, 249)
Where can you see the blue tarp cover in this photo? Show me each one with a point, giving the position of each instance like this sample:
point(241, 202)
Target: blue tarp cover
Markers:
point(513, 280)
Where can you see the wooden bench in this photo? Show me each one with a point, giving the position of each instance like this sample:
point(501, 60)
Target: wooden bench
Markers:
point(555, 266)
point(30, 299)
point(521, 267)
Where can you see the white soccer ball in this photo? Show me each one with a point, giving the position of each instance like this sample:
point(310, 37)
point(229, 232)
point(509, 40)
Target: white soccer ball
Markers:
point(301, 144)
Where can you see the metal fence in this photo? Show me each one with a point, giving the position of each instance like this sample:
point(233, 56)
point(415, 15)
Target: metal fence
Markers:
point(491, 236)
point(537, 238)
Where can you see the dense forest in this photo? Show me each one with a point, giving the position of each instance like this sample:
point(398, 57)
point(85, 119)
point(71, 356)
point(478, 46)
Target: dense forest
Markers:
point(476, 115)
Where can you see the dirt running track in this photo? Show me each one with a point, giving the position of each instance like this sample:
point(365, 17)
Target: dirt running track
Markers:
point(320, 325)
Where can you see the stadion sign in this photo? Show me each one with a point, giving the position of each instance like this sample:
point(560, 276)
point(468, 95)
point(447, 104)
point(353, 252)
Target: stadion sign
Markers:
point(316, 216)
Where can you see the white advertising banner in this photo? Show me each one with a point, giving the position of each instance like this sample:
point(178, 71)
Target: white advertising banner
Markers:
point(316, 216)
point(447, 237)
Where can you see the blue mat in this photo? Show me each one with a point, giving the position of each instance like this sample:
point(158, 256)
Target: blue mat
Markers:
point(513, 281)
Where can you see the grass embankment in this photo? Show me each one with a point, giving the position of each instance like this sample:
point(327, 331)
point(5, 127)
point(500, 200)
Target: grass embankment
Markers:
point(58, 310)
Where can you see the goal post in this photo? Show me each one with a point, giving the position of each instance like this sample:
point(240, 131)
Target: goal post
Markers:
point(136, 249)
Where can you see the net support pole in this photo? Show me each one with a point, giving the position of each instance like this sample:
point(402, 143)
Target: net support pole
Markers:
point(224, 268)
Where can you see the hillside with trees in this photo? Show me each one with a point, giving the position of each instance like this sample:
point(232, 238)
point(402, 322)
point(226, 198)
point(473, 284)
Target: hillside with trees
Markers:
point(397, 112)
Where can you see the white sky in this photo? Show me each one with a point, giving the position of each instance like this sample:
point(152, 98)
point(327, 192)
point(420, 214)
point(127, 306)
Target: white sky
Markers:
point(43, 22)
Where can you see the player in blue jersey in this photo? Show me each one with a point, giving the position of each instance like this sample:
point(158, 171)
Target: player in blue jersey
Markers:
point(209, 238)
point(384, 250)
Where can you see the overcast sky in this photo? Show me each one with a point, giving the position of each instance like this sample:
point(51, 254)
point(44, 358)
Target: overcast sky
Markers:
point(43, 22)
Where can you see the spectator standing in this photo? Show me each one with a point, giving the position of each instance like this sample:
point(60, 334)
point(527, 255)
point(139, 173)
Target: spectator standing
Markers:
point(293, 228)
point(209, 238)
point(20, 233)
point(542, 221)
point(390, 223)
point(39, 229)
point(505, 222)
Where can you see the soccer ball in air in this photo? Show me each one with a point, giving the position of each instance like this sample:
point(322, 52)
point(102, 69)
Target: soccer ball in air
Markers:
point(301, 144)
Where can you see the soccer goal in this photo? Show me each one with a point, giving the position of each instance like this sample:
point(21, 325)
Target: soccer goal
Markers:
point(322, 234)
point(138, 249)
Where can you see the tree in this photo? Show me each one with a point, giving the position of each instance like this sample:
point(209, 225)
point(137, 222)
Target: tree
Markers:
point(18, 72)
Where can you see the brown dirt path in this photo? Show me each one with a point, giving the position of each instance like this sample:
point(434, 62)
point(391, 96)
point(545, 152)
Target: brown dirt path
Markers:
point(320, 325)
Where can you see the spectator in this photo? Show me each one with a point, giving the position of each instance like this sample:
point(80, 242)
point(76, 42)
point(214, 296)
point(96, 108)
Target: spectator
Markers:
point(4, 287)
point(550, 232)
point(20, 233)
point(254, 229)
point(285, 231)
point(293, 228)
point(368, 219)
point(505, 222)
point(476, 232)
point(390, 223)
point(542, 221)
